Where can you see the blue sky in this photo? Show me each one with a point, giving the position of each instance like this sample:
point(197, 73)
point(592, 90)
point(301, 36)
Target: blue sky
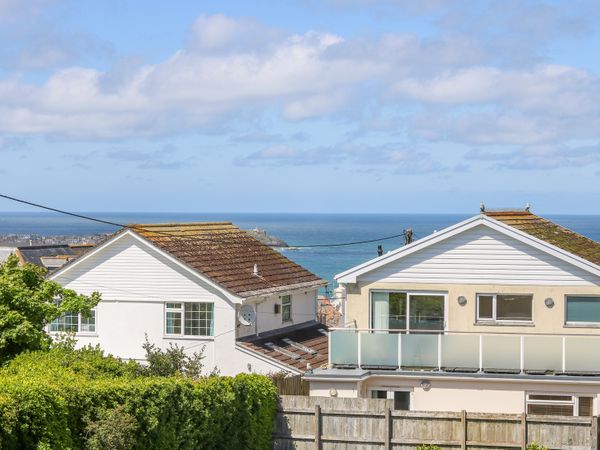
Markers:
point(301, 106)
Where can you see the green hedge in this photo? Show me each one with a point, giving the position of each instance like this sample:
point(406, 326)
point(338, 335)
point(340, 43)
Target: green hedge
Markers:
point(47, 399)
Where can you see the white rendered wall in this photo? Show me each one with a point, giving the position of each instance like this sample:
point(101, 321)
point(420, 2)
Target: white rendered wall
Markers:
point(135, 282)
point(304, 309)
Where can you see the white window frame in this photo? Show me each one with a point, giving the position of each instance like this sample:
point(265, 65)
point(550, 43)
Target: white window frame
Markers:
point(390, 394)
point(494, 318)
point(181, 309)
point(409, 293)
point(283, 307)
point(574, 401)
point(79, 332)
point(579, 324)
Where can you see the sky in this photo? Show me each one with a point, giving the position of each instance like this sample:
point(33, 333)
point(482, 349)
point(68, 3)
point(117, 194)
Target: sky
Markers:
point(365, 106)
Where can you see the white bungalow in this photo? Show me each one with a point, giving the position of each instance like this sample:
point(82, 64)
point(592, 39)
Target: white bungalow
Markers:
point(207, 286)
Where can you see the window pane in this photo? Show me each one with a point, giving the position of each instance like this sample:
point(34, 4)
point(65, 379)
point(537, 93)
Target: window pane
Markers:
point(514, 307)
point(402, 401)
point(173, 305)
point(583, 309)
point(397, 311)
point(426, 312)
point(586, 406)
point(550, 410)
point(557, 398)
point(198, 319)
point(67, 323)
point(88, 324)
point(486, 306)
point(378, 394)
point(286, 308)
point(173, 322)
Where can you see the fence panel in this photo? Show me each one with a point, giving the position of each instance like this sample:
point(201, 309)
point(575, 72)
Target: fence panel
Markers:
point(324, 423)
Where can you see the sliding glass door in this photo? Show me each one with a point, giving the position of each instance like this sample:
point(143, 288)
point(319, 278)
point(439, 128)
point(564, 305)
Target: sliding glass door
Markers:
point(407, 311)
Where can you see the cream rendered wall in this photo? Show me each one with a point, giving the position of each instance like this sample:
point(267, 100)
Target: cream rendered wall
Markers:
point(472, 395)
point(479, 260)
point(463, 318)
point(304, 309)
point(342, 389)
point(135, 282)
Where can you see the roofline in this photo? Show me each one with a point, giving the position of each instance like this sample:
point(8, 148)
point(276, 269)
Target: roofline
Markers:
point(285, 288)
point(350, 275)
point(366, 374)
point(128, 232)
point(268, 359)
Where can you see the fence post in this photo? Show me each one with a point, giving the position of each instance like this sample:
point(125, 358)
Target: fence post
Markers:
point(594, 433)
point(463, 434)
point(318, 427)
point(388, 429)
point(524, 431)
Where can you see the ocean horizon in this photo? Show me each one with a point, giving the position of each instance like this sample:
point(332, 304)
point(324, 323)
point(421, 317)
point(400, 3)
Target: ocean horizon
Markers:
point(297, 229)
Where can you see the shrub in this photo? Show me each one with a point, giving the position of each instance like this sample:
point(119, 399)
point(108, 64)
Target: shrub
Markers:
point(534, 446)
point(172, 361)
point(76, 399)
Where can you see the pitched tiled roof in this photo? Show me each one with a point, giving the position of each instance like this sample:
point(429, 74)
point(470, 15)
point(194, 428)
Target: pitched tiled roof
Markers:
point(287, 347)
point(227, 255)
point(34, 253)
point(550, 232)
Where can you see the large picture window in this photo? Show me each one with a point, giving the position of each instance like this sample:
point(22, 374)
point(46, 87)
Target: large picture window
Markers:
point(583, 309)
point(71, 322)
point(505, 307)
point(407, 311)
point(189, 319)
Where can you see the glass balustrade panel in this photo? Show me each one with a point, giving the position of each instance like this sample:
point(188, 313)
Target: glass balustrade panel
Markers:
point(543, 353)
point(419, 350)
point(344, 347)
point(501, 352)
point(582, 354)
point(460, 351)
point(379, 349)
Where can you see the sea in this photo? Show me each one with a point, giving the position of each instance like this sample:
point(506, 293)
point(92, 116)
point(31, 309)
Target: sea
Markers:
point(306, 230)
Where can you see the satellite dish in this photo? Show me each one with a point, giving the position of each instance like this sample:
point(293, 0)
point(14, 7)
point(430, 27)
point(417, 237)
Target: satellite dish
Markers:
point(247, 315)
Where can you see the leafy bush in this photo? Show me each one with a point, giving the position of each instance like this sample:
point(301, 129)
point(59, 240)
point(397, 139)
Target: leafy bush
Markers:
point(534, 446)
point(172, 361)
point(74, 399)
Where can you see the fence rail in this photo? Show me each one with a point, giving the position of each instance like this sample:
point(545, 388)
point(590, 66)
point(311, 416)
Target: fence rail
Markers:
point(323, 423)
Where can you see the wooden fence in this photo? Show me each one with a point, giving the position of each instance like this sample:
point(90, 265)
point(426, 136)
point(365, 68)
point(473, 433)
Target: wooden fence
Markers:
point(291, 385)
point(367, 424)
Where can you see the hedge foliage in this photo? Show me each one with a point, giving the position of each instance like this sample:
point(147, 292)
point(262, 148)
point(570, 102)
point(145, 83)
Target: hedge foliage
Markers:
point(55, 399)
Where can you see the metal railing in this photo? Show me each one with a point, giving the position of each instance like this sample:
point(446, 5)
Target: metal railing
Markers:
point(465, 351)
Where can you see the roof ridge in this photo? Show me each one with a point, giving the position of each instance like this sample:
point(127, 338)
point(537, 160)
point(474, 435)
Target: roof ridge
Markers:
point(177, 224)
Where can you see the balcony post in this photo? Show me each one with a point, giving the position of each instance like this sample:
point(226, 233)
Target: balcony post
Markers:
point(359, 349)
point(329, 349)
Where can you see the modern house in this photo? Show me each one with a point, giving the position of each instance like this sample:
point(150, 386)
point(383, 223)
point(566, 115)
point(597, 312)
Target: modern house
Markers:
point(498, 313)
point(207, 286)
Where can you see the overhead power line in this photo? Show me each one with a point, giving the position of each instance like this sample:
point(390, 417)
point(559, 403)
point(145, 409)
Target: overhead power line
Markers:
point(406, 234)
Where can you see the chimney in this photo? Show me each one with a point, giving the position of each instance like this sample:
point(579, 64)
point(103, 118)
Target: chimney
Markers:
point(255, 270)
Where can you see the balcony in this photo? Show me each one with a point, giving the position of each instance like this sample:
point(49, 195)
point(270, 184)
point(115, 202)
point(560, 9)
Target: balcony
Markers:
point(539, 354)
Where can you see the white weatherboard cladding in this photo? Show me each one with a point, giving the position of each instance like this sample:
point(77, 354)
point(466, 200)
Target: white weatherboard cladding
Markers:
point(481, 255)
